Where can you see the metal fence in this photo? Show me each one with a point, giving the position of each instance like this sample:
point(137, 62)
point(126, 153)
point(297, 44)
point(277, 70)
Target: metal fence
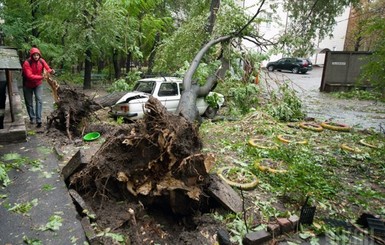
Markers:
point(342, 70)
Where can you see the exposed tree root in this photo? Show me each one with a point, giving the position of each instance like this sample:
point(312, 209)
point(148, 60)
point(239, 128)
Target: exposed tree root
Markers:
point(157, 160)
point(72, 108)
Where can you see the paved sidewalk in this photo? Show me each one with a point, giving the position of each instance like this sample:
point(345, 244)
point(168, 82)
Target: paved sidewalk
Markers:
point(38, 182)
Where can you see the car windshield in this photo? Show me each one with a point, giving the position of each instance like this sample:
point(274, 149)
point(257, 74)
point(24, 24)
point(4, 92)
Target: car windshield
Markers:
point(144, 86)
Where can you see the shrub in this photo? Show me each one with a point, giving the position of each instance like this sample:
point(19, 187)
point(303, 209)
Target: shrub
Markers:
point(285, 105)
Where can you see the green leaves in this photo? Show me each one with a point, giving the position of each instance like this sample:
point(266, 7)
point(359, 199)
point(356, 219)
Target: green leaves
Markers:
point(119, 85)
point(48, 187)
point(23, 208)
point(243, 98)
point(359, 94)
point(120, 239)
point(54, 223)
point(212, 100)
point(10, 161)
point(4, 179)
point(11, 157)
point(32, 241)
point(285, 105)
point(310, 20)
point(374, 71)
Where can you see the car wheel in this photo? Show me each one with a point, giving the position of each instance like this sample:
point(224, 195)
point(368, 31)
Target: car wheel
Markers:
point(303, 72)
point(295, 70)
point(270, 68)
point(211, 112)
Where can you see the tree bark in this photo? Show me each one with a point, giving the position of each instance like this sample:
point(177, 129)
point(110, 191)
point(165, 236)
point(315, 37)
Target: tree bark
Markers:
point(187, 105)
point(192, 91)
point(115, 61)
point(128, 62)
point(152, 54)
point(101, 64)
point(195, 63)
point(213, 15)
point(87, 70)
point(35, 30)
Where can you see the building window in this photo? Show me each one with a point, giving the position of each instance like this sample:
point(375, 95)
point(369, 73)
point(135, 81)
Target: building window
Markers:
point(268, 19)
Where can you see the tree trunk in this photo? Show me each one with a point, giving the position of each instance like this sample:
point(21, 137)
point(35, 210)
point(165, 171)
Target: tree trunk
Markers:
point(101, 65)
point(115, 61)
point(152, 54)
point(88, 59)
point(87, 70)
point(128, 62)
point(357, 44)
point(187, 105)
point(214, 7)
point(35, 30)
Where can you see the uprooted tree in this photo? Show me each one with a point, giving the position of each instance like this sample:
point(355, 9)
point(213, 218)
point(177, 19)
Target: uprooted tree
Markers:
point(192, 90)
point(157, 159)
point(73, 109)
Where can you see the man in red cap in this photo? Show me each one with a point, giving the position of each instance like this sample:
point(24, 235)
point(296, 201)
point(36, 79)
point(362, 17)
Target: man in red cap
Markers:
point(33, 69)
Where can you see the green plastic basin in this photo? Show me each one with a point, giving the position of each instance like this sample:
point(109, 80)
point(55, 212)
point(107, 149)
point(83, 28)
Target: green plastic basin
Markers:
point(91, 136)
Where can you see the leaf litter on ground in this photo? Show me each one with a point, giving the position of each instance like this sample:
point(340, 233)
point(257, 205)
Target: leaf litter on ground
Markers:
point(320, 169)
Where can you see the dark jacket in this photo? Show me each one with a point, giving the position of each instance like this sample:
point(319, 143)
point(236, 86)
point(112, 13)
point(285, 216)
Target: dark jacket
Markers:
point(33, 70)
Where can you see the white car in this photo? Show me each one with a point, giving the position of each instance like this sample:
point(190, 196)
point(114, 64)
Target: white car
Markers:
point(168, 91)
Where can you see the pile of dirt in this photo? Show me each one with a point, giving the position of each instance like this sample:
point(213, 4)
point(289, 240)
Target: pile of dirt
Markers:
point(148, 180)
point(72, 112)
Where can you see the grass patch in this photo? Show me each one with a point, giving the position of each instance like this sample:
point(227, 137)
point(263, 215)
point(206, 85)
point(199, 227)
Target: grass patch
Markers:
point(341, 184)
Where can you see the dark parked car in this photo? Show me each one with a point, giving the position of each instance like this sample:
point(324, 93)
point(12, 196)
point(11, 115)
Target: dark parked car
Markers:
point(296, 65)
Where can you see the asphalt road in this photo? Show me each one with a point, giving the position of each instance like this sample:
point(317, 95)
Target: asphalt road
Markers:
point(323, 106)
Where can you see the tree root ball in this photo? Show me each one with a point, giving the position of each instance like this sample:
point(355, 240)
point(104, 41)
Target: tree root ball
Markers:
point(157, 160)
point(72, 111)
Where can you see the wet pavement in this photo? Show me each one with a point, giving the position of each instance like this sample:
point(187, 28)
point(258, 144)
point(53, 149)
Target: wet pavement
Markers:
point(35, 207)
point(322, 106)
